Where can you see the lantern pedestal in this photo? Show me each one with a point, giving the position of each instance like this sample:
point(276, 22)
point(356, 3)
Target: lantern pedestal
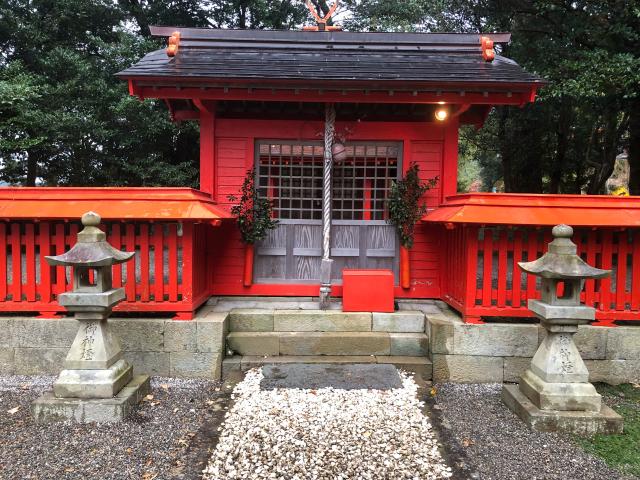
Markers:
point(49, 408)
point(578, 422)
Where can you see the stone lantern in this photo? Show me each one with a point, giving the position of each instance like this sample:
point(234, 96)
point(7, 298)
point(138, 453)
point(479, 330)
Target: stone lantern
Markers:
point(554, 392)
point(97, 384)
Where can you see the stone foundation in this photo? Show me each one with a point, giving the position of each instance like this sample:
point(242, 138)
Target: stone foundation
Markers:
point(465, 353)
point(154, 346)
point(501, 352)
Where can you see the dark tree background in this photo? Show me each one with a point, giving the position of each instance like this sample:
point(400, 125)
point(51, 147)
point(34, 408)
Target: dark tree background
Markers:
point(66, 120)
point(589, 113)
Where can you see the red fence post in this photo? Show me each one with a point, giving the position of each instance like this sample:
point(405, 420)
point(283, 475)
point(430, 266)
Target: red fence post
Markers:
point(16, 263)
point(187, 286)
point(635, 272)
point(143, 241)
point(158, 260)
point(516, 273)
point(501, 294)
point(130, 246)
point(172, 243)
point(471, 274)
point(3, 262)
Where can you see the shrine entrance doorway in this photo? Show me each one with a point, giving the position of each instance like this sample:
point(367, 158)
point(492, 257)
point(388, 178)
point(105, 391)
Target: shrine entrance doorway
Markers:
point(290, 174)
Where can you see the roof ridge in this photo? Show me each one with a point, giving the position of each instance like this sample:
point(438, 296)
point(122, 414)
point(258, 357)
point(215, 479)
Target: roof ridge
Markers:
point(335, 37)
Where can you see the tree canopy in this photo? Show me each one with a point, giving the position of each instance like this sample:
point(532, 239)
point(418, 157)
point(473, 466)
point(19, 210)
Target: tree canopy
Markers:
point(66, 120)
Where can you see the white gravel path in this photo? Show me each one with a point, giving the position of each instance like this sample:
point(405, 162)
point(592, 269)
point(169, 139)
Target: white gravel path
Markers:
point(326, 434)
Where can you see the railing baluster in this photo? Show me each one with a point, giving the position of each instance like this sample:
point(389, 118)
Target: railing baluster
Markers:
point(3, 261)
point(172, 243)
point(516, 273)
point(16, 263)
point(502, 268)
point(30, 262)
point(144, 262)
point(621, 271)
point(158, 260)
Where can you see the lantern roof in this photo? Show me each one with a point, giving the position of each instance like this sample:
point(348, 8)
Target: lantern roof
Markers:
point(561, 261)
point(92, 248)
point(441, 62)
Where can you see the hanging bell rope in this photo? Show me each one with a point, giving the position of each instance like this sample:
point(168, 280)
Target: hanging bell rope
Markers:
point(325, 270)
point(329, 133)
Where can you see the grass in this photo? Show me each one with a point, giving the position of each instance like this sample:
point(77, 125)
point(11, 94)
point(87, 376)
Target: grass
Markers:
point(619, 451)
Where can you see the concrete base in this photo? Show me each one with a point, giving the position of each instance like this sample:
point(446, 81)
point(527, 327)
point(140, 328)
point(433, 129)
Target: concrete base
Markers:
point(606, 421)
point(93, 383)
point(48, 408)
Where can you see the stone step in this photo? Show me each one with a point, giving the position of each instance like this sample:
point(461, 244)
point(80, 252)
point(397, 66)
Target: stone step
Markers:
point(418, 365)
point(265, 320)
point(328, 343)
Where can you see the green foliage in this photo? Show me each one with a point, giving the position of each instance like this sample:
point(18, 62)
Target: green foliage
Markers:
point(588, 50)
point(65, 119)
point(620, 451)
point(405, 204)
point(278, 14)
point(253, 212)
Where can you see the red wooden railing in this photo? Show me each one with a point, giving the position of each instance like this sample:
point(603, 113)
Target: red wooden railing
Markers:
point(481, 277)
point(161, 278)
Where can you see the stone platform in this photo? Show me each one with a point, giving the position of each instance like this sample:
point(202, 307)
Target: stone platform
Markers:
point(500, 352)
point(606, 421)
point(48, 408)
point(461, 353)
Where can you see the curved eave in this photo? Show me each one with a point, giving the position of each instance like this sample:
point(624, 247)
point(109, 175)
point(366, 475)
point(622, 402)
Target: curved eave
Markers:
point(532, 210)
point(59, 203)
point(98, 254)
point(568, 267)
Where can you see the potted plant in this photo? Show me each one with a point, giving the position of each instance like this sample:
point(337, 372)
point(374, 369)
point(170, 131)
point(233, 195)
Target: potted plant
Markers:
point(253, 216)
point(406, 208)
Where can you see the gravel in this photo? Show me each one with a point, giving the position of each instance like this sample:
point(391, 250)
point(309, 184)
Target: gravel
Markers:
point(326, 433)
point(485, 440)
point(167, 437)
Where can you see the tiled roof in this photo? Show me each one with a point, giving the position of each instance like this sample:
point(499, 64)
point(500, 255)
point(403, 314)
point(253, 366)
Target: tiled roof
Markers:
point(371, 59)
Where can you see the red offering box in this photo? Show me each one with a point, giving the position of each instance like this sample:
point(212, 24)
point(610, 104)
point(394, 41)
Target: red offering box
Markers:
point(367, 290)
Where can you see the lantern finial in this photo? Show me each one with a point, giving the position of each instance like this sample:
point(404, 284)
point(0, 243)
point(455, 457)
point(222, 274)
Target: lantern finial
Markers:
point(90, 219)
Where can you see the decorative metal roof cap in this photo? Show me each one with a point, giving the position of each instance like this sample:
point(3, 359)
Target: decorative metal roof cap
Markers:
point(561, 260)
point(92, 248)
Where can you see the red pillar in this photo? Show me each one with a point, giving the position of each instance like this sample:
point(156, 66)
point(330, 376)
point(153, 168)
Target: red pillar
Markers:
point(449, 178)
point(207, 147)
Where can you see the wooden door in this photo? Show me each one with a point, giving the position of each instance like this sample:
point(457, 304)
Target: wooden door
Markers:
point(290, 174)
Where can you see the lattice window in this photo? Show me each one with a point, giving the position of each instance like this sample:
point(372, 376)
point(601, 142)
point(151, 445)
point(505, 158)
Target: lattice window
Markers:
point(361, 183)
point(290, 174)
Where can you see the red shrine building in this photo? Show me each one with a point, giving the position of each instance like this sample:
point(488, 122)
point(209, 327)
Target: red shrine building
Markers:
point(260, 99)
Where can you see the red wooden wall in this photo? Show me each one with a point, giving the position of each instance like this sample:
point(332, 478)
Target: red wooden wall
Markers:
point(432, 146)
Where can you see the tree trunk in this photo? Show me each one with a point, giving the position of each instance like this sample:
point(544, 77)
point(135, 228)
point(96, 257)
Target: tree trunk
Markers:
point(32, 169)
point(323, 9)
point(242, 17)
point(505, 152)
point(608, 151)
point(634, 147)
point(562, 136)
point(134, 8)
